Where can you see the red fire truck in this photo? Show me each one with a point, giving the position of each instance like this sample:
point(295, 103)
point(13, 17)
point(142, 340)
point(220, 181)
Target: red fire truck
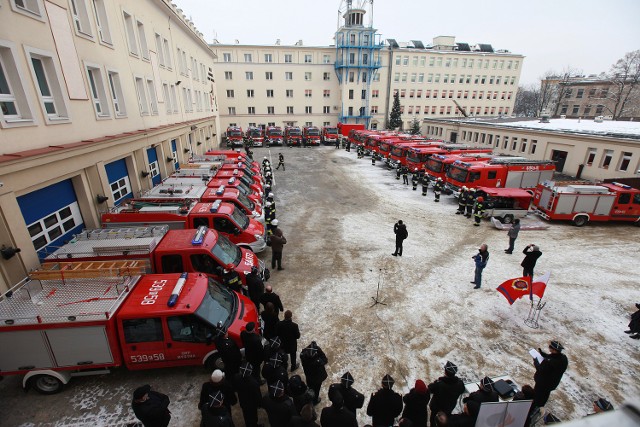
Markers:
point(505, 204)
point(329, 135)
point(234, 137)
point(235, 196)
point(253, 182)
point(437, 165)
point(357, 137)
point(292, 136)
point(344, 130)
point(76, 319)
point(310, 135)
point(255, 136)
point(274, 136)
point(501, 172)
point(221, 216)
point(417, 157)
point(400, 148)
point(250, 193)
point(583, 203)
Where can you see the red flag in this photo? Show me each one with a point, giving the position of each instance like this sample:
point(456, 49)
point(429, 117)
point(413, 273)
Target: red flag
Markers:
point(539, 285)
point(514, 289)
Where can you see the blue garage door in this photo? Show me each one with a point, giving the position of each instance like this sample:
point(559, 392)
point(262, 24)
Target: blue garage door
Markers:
point(154, 168)
point(174, 153)
point(118, 176)
point(52, 215)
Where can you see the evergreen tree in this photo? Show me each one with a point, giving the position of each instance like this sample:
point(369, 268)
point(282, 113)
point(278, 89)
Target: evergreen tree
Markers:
point(415, 127)
point(395, 121)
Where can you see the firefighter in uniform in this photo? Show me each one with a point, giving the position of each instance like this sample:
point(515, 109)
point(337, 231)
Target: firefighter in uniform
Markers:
point(398, 171)
point(265, 162)
point(268, 179)
point(281, 162)
point(437, 189)
point(373, 158)
point(269, 215)
point(405, 174)
point(478, 210)
point(470, 201)
point(360, 152)
point(231, 279)
point(462, 200)
point(425, 184)
point(272, 201)
point(415, 178)
point(337, 143)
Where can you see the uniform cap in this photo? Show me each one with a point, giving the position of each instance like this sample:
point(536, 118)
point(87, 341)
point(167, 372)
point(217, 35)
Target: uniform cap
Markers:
point(336, 398)
point(388, 381)
point(274, 222)
point(450, 368)
point(276, 389)
point(486, 384)
point(141, 391)
point(276, 360)
point(346, 379)
point(217, 376)
point(604, 404)
point(275, 342)
point(265, 157)
point(556, 345)
point(250, 327)
point(246, 369)
point(217, 399)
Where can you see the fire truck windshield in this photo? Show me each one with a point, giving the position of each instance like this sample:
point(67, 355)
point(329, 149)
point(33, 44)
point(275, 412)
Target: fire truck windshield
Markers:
point(397, 151)
point(256, 133)
point(458, 174)
point(313, 132)
point(295, 132)
point(276, 132)
point(434, 165)
point(218, 305)
point(384, 147)
point(240, 218)
point(331, 130)
point(235, 133)
point(244, 201)
point(413, 156)
point(226, 252)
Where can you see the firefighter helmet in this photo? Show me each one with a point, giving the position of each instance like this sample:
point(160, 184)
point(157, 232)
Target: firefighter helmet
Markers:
point(265, 157)
point(415, 170)
point(439, 179)
point(267, 204)
point(464, 188)
point(274, 222)
point(270, 196)
point(481, 199)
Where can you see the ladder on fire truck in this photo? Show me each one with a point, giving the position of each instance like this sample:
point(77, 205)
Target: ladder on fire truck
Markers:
point(86, 269)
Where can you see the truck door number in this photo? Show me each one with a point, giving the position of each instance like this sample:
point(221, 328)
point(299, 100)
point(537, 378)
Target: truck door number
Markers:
point(533, 168)
point(140, 358)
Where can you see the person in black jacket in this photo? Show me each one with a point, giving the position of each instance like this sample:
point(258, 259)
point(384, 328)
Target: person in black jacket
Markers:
point(445, 392)
point(485, 392)
point(548, 372)
point(229, 352)
point(400, 230)
point(275, 365)
point(353, 399)
point(215, 413)
point(531, 255)
point(270, 321)
point(337, 415)
point(306, 418)
point(271, 297)
point(634, 324)
point(415, 404)
point(151, 407)
point(248, 389)
point(385, 405)
point(217, 382)
point(231, 279)
point(289, 333)
point(255, 286)
point(278, 405)
point(313, 360)
point(300, 393)
point(253, 350)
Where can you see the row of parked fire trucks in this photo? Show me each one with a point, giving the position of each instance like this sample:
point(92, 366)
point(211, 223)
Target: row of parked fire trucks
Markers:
point(146, 290)
point(270, 136)
point(511, 186)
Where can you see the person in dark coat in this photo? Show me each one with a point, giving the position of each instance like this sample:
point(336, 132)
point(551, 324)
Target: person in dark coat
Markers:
point(281, 162)
point(634, 324)
point(353, 399)
point(279, 406)
point(549, 372)
point(437, 189)
point(481, 259)
point(275, 363)
point(306, 418)
point(217, 382)
point(215, 413)
point(531, 255)
point(248, 389)
point(470, 201)
point(270, 320)
point(151, 407)
point(415, 404)
point(229, 353)
point(253, 350)
point(337, 415)
point(277, 243)
point(513, 235)
point(425, 184)
point(300, 393)
point(485, 392)
point(405, 175)
point(271, 297)
point(400, 230)
point(445, 392)
point(289, 333)
point(385, 405)
point(313, 361)
point(255, 286)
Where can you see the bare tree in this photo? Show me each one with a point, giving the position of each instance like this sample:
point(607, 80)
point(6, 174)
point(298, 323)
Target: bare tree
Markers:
point(547, 93)
point(526, 102)
point(563, 86)
point(625, 80)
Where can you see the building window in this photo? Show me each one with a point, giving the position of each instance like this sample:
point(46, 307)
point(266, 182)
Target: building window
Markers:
point(326, 76)
point(247, 57)
point(101, 20)
point(167, 53)
point(131, 36)
point(251, 110)
point(269, 93)
point(587, 110)
point(326, 109)
point(80, 15)
point(405, 61)
point(48, 229)
point(268, 75)
point(350, 93)
point(174, 99)
point(599, 110)
point(143, 104)
point(153, 98)
point(374, 109)
point(625, 159)
point(248, 75)
point(575, 110)
point(580, 93)
point(364, 94)
point(232, 111)
point(288, 75)
point(307, 76)
point(396, 77)
point(117, 96)
point(98, 92)
point(289, 93)
point(606, 159)
point(326, 59)
point(167, 98)
point(271, 110)
point(268, 57)
point(50, 89)
point(404, 77)
point(326, 93)
point(352, 77)
point(14, 107)
point(375, 93)
point(591, 156)
point(144, 49)
point(250, 93)
point(226, 57)
point(289, 110)
point(352, 38)
point(307, 93)
point(288, 58)
point(352, 58)
point(230, 93)
point(564, 109)
point(307, 59)
point(308, 109)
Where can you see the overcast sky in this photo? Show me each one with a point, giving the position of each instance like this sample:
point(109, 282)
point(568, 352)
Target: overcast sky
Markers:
point(588, 35)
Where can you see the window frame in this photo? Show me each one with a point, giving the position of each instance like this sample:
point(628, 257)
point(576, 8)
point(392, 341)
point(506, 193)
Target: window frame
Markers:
point(97, 90)
point(35, 14)
point(57, 92)
point(81, 20)
point(13, 71)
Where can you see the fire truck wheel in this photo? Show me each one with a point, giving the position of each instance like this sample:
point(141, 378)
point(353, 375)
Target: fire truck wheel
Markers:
point(507, 219)
point(580, 220)
point(46, 384)
point(214, 362)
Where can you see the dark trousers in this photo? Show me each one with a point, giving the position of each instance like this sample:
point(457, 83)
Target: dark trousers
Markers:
point(276, 257)
point(512, 241)
point(527, 272)
point(540, 396)
point(292, 357)
point(469, 210)
point(250, 415)
point(477, 279)
point(405, 179)
point(316, 390)
point(399, 247)
point(281, 164)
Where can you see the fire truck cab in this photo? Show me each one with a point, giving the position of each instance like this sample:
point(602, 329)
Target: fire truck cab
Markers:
point(255, 136)
point(274, 136)
point(437, 165)
point(329, 135)
point(73, 319)
point(234, 137)
point(311, 135)
point(235, 196)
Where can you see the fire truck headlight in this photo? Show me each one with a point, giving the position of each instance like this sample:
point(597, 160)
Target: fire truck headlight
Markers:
point(255, 214)
point(258, 237)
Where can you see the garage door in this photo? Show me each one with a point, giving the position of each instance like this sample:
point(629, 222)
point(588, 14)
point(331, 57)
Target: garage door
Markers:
point(154, 169)
point(118, 176)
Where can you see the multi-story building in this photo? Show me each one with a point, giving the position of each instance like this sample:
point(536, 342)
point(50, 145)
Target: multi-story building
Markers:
point(354, 80)
point(99, 100)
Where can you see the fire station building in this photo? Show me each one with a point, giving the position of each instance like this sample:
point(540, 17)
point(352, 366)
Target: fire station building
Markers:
point(99, 100)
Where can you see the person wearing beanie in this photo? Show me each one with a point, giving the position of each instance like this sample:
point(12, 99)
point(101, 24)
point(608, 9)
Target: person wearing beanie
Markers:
point(248, 388)
point(337, 415)
point(300, 393)
point(279, 407)
point(215, 413)
point(229, 352)
point(313, 364)
point(467, 418)
point(151, 407)
point(217, 382)
point(485, 392)
point(307, 417)
point(531, 255)
point(445, 392)
point(415, 404)
point(549, 372)
point(253, 350)
point(353, 399)
point(385, 405)
point(289, 333)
